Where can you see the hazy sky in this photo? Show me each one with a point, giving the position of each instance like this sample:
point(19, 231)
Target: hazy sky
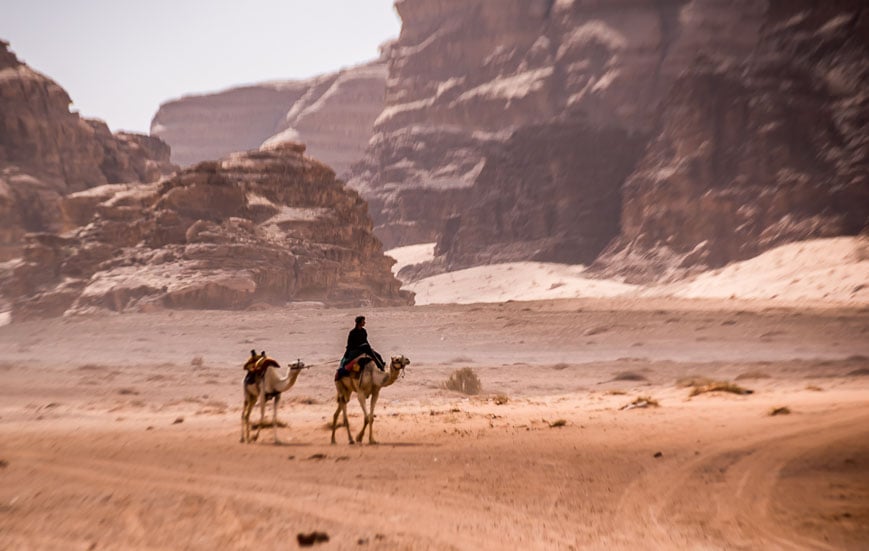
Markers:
point(119, 59)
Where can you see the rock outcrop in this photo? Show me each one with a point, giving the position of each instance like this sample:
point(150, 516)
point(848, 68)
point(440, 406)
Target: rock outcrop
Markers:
point(267, 226)
point(46, 152)
point(332, 114)
point(751, 155)
point(669, 134)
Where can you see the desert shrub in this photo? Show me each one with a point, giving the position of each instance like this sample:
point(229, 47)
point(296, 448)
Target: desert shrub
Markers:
point(500, 399)
point(720, 386)
point(641, 402)
point(629, 376)
point(464, 380)
point(784, 410)
point(558, 423)
point(197, 361)
point(693, 381)
point(752, 375)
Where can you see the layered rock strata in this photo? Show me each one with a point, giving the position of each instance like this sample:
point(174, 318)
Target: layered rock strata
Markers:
point(46, 152)
point(267, 226)
point(701, 131)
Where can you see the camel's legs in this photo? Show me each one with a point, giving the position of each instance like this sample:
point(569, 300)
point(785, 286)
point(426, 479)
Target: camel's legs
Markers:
point(262, 415)
point(245, 419)
point(343, 398)
point(275, 418)
point(374, 394)
point(362, 402)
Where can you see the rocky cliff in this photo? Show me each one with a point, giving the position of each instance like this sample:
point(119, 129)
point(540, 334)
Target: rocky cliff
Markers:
point(267, 226)
point(332, 114)
point(694, 132)
point(46, 152)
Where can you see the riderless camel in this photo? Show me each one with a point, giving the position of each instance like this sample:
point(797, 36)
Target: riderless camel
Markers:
point(368, 384)
point(264, 387)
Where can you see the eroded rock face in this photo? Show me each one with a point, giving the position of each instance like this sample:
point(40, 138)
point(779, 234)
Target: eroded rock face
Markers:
point(752, 155)
point(701, 131)
point(47, 152)
point(465, 75)
point(332, 114)
point(267, 226)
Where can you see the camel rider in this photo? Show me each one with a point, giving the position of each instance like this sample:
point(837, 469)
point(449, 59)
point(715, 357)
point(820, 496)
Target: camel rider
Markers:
point(357, 344)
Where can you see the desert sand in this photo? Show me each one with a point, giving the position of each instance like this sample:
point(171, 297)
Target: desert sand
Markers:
point(122, 431)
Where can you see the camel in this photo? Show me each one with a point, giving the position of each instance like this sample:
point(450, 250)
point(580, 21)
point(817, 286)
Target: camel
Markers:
point(264, 387)
point(369, 383)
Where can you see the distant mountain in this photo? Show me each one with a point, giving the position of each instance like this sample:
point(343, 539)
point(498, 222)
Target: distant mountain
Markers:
point(332, 114)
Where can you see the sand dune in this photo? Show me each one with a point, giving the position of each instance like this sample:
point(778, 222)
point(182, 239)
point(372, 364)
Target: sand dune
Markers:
point(823, 270)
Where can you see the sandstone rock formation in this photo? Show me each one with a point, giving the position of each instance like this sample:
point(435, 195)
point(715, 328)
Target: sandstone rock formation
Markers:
point(46, 152)
point(267, 226)
point(684, 133)
point(332, 114)
point(772, 149)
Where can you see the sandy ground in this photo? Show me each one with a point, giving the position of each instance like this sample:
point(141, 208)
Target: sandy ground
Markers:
point(123, 432)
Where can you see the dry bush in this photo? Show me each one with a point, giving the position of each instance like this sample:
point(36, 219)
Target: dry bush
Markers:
point(558, 423)
point(197, 361)
point(464, 380)
point(500, 399)
point(616, 392)
point(720, 386)
point(641, 402)
point(752, 375)
point(693, 381)
point(629, 376)
point(815, 388)
point(784, 410)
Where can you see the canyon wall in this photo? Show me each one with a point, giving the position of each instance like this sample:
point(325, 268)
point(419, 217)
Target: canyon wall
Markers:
point(46, 152)
point(656, 136)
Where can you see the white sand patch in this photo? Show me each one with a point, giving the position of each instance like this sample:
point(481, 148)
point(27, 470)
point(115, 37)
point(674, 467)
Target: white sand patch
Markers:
point(5, 318)
point(824, 270)
point(834, 269)
point(514, 281)
point(411, 254)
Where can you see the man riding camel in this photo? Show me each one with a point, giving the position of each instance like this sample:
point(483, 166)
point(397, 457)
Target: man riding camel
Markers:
point(357, 344)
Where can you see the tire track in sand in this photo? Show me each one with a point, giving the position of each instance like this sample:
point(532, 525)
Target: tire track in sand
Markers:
point(729, 493)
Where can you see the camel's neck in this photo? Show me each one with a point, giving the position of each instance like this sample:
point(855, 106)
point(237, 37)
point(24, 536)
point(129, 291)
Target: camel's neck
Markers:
point(281, 382)
point(391, 377)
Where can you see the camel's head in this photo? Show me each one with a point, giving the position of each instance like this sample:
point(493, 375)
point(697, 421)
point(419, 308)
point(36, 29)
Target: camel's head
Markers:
point(400, 362)
point(298, 364)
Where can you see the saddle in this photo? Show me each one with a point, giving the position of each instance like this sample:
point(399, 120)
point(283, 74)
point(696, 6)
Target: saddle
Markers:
point(256, 367)
point(353, 368)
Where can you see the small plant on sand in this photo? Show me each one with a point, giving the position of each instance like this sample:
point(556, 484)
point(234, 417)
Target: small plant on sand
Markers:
point(751, 375)
point(500, 399)
point(558, 423)
point(720, 386)
point(197, 361)
point(784, 410)
point(464, 380)
point(693, 381)
point(641, 402)
point(629, 376)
